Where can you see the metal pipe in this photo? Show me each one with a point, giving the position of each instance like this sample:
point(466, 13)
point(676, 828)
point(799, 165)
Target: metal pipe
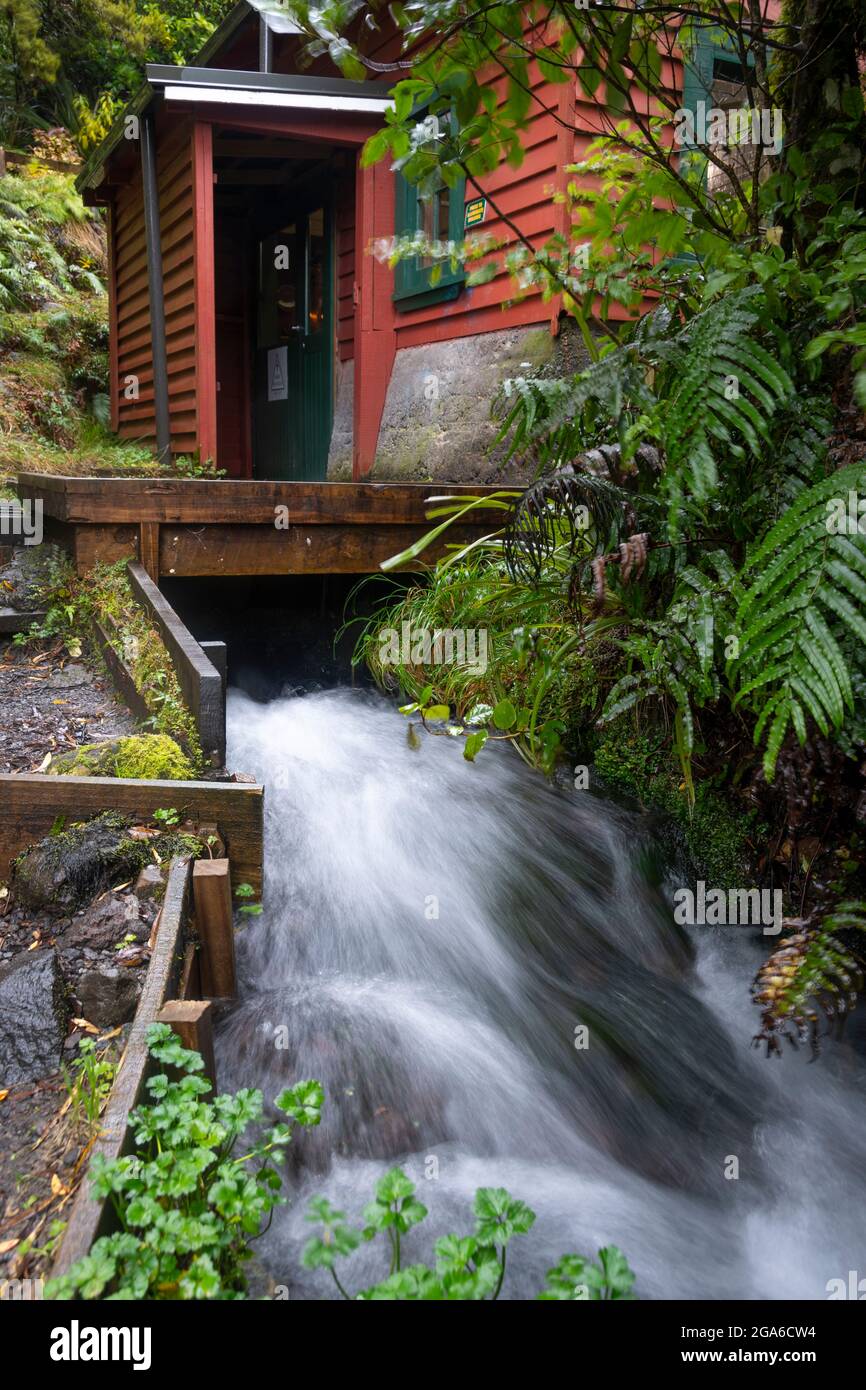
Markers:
point(266, 45)
point(155, 288)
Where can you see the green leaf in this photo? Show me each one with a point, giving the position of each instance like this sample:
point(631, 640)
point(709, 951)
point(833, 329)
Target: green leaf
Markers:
point(437, 712)
point(480, 714)
point(504, 715)
point(473, 745)
point(499, 1216)
point(303, 1102)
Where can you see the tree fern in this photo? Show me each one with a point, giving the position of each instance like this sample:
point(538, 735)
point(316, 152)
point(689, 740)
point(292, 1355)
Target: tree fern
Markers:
point(804, 587)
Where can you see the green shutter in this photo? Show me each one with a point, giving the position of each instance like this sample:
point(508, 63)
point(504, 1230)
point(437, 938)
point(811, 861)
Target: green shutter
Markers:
point(698, 76)
point(412, 281)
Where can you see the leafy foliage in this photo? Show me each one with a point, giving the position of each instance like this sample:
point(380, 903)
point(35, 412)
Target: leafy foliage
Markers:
point(74, 62)
point(186, 1203)
point(803, 590)
point(188, 1207)
point(576, 1278)
point(467, 1268)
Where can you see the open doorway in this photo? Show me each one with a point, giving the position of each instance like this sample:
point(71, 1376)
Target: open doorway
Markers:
point(275, 214)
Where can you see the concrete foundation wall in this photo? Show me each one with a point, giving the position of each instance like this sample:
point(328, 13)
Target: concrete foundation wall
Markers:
point(437, 423)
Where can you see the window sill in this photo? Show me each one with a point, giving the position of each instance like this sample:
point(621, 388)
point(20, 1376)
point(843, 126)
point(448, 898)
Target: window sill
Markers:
point(437, 294)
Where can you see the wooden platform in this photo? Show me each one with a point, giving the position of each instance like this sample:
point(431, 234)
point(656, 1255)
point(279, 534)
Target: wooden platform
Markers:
point(185, 527)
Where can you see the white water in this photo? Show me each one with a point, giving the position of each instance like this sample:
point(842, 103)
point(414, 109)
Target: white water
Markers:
point(448, 1042)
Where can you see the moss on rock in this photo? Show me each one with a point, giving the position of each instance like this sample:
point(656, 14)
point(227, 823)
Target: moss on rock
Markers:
point(715, 833)
point(65, 871)
point(149, 756)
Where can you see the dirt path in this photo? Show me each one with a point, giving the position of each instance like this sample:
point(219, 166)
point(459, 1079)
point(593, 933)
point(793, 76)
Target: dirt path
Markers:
point(49, 704)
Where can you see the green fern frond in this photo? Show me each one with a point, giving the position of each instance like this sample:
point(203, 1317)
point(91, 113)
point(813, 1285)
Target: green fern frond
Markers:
point(805, 590)
point(722, 389)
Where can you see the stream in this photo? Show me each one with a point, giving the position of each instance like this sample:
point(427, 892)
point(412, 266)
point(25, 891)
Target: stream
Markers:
point(436, 937)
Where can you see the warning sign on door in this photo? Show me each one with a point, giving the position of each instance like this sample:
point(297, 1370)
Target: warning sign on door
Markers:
point(278, 374)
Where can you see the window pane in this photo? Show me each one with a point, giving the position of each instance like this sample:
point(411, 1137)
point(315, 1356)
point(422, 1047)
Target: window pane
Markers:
point(426, 225)
point(316, 296)
point(443, 203)
point(286, 283)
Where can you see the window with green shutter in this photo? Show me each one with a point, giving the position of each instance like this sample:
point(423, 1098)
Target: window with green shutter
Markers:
point(711, 75)
point(437, 216)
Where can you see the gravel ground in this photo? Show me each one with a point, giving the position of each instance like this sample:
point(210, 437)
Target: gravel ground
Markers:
point(49, 703)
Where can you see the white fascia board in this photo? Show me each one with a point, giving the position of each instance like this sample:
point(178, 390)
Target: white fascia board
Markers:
point(298, 101)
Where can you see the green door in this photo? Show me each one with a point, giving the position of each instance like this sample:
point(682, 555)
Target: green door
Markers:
point(294, 406)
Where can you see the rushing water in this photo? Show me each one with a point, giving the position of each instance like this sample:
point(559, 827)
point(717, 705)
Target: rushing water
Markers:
point(434, 934)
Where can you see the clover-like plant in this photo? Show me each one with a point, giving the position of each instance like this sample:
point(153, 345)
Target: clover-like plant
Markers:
point(468, 1268)
point(186, 1205)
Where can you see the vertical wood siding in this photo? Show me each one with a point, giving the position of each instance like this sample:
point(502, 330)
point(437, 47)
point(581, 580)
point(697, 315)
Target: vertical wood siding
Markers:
point(345, 271)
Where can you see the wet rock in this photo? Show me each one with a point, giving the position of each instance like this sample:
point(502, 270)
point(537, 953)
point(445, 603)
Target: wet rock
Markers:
point(150, 883)
point(33, 1017)
point(108, 996)
point(71, 676)
point(106, 923)
point(62, 872)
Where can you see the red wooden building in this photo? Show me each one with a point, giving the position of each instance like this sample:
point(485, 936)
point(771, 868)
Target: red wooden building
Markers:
point(250, 325)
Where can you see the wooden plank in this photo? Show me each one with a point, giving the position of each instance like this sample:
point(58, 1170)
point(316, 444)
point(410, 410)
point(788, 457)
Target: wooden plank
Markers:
point(13, 621)
point(190, 979)
point(62, 166)
point(375, 327)
point(227, 148)
point(121, 676)
point(200, 682)
point(213, 501)
point(248, 550)
point(148, 547)
point(205, 292)
point(192, 1020)
point(30, 803)
point(89, 1219)
point(254, 178)
point(91, 545)
point(214, 922)
point(115, 385)
point(217, 653)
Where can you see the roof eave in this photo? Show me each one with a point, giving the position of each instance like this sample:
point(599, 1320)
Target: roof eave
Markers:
point(94, 166)
point(161, 76)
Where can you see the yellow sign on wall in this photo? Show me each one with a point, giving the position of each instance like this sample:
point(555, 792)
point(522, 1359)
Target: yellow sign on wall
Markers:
point(475, 212)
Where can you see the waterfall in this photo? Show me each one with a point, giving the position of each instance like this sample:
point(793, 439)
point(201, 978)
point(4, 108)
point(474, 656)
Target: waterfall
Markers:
point(485, 974)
